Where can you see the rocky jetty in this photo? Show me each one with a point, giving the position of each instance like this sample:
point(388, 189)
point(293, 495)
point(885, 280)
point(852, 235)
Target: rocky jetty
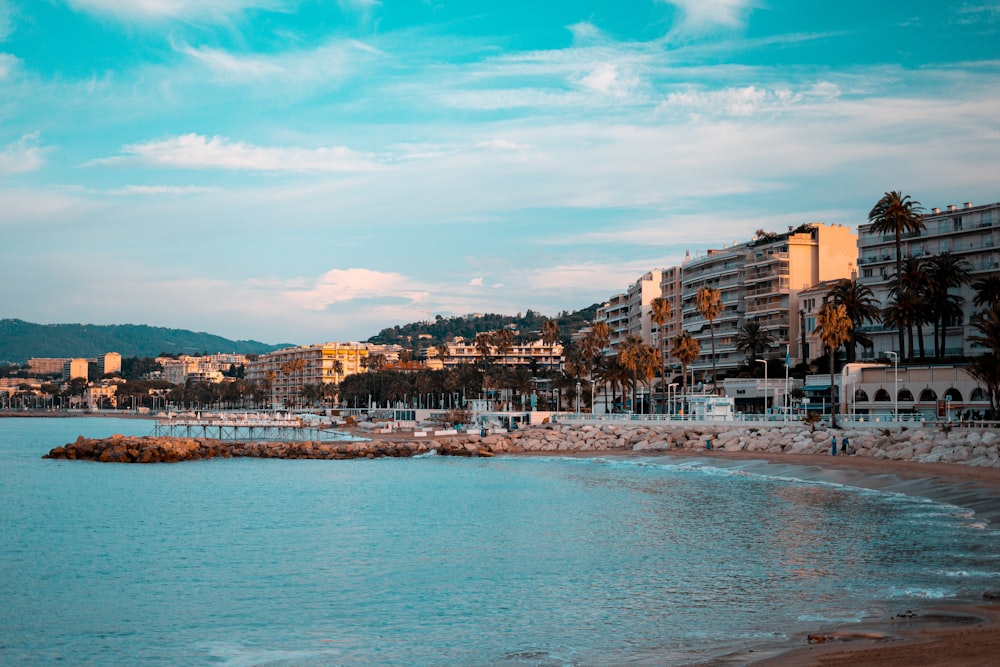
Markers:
point(973, 447)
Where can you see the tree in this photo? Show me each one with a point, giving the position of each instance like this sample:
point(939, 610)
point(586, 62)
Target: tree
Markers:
point(895, 213)
point(861, 306)
point(834, 328)
point(630, 358)
point(987, 291)
point(484, 346)
point(660, 311)
point(686, 349)
point(945, 271)
point(986, 367)
point(551, 334)
point(910, 306)
point(503, 340)
point(753, 340)
point(708, 301)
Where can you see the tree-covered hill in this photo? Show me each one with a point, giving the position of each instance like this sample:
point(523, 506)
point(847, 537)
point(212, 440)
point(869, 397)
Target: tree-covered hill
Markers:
point(20, 341)
point(419, 336)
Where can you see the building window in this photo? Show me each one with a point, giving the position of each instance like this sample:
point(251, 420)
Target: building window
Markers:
point(866, 273)
point(957, 223)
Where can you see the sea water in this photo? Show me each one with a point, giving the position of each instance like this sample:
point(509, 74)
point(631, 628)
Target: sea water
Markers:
point(447, 561)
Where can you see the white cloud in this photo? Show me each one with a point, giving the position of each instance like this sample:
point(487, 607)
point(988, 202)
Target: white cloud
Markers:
point(172, 9)
point(160, 190)
point(608, 79)
point(8, 63)
point(195, 151)
point(21, 156)
point(342, 285)
point(476, 282)
point(702, 15)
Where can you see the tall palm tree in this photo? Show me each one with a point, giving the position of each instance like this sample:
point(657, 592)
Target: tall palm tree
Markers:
point(686, 349)
point(708, 301)
point(834, 328)
point(503, 340)
point(945, 271)
point(484, 346)
point(615, 375)
point(895, 213)
point(630, 357)
point(753, 340)
point(660, 311)
point(551, 334)
point(861, 305)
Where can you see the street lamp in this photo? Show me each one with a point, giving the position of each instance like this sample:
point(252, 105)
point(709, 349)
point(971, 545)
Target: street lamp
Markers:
point(578, 397)
point(671, 399)
point(895, 389)
point(764, 361)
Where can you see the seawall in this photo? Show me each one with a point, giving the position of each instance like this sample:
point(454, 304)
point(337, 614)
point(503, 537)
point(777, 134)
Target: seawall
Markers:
point(966, 446)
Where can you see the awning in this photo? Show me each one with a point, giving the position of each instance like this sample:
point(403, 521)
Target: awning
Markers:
point(816, 387)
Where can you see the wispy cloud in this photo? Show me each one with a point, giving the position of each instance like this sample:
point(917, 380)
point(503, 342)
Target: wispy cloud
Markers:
point(22, 156)
point(195, 151)
point(173, 9)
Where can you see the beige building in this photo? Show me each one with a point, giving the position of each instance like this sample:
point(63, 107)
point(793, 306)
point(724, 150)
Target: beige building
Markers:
point(532, 354)
point(46, 365)
point(628, 314)
point(110, 363)
point(75, 368)
point(290, 369)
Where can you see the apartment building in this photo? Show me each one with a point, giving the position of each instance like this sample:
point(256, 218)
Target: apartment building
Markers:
point(779, 267)
point(46, 365)
point(109, 363)
point(290, 369)
point(536, 354)
point(628, 313)
point(75, 368)
point(970, 232)
point(670, 289)
point(209, 368)
point(725, 270)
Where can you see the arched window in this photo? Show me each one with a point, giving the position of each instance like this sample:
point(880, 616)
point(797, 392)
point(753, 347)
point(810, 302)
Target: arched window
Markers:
point(928, 394)
point(860, 396)
point(905, 395)
point(978, 395)
point(882, 395)
point(953, 394)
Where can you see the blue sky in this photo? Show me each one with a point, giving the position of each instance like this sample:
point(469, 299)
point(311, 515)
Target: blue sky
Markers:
point(311, 170)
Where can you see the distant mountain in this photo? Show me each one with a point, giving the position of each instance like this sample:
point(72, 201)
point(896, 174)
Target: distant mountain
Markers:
point(20, 341)
point(419, 336)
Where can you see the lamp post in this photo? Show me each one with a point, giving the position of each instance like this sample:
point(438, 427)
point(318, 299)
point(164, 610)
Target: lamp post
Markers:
point(671, 398)
point(764, 361)
point(895, 388)
point(578, 397)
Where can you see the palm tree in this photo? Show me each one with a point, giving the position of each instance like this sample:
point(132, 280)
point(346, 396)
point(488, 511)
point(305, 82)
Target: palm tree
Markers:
point(503, 340)
point(753, 340)
point(708, 301)
point(986, 367)
point(945, 271)
point(484, 345)
point(686, 349)
point(895, 213)
point(551, 334)
point(987, 291)
point(660, 311)
point(861, 305)
point(834, 328)
point(630, 358)
point(614, 374)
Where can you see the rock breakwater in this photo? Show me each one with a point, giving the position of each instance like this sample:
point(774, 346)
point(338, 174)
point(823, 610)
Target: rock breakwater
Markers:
point(972, 447)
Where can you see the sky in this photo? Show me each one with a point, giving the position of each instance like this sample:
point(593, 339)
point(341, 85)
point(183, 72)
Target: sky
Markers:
point(301, 171)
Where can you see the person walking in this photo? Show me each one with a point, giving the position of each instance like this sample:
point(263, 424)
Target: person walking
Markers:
point(833, 447)
point(844, 444)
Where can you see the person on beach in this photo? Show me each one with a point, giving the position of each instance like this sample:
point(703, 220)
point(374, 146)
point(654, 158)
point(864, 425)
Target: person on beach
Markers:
point(844, 444)
point(833, 447)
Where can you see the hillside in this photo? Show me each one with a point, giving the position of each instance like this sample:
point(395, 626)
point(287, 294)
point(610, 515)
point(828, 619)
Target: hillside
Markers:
point(20, 341)
point(419, 336)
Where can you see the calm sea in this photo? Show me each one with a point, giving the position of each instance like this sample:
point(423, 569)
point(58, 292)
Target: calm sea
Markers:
point(446, 561)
